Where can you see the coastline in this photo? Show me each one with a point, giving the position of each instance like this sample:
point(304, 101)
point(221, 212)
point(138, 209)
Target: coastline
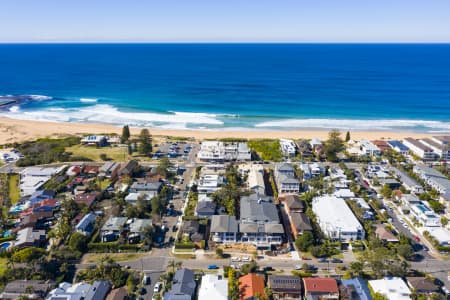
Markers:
point(14, 130)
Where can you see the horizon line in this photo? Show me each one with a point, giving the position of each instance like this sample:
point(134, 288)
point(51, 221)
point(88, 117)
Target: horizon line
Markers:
point(231, 42)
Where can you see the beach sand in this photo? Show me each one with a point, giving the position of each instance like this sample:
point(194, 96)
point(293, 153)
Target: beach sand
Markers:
point(12, 130)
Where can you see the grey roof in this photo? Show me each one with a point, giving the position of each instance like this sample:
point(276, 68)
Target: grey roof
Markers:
point(146, 186)
point(285, 284)
point(191, 226)
point(20, 286)
point(261, 228)
point(205, 207)
point(404, 177)
point(108, 167)
point(287, 179)
point(258, 208)
point(301, 221)
point(294, 202)
point(183, 285)
point(138, 225)
point(224, 223)
point(98, 290)
point(284, 167)
point(114, 223)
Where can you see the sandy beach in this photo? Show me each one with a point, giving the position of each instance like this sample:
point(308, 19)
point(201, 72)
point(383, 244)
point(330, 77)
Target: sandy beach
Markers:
point(13, 130)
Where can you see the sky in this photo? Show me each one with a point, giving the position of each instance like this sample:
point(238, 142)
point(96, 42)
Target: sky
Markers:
point(225, 21)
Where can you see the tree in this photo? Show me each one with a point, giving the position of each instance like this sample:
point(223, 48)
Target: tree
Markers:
point(147, 235)
point(130, 149)
point(233, 285)
point(386, 191)
point(405, 251)
point(305, 241)
point(78, 242)
point(125, 134)
point(145, 139)
point(219, 252)
point(347, 136)
point(103, 156)
point(333, 145)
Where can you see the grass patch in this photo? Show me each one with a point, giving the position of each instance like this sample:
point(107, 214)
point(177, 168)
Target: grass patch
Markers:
point(93, 153)
point(185, 256)
point(13, 188)
point(3, 262)
point(118, 257)
point(267, 149)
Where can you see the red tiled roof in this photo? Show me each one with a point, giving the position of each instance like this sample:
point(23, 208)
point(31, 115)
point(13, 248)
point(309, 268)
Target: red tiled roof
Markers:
point(327, 285)
point(251, 285)
point(86, 198)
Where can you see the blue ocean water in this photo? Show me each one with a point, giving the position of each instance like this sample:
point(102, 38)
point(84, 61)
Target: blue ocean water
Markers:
point(252, 86)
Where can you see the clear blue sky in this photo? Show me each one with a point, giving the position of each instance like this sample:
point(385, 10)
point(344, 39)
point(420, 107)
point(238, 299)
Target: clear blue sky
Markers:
point(225, 20)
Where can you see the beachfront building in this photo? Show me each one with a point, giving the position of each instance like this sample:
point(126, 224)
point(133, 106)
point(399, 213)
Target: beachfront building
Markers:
point(33, 178)
point(285, 178)
point(391, 288)
point(259, 223)
point(434, 178)
point(213, 287)
point(288, 147)
point(336, 219)
point(419, 149)
point(224, 229)
point(382, 145)
point(439, 144)
point(368, 148)
point(220, 151)
point(398, 147)
point(95, 140)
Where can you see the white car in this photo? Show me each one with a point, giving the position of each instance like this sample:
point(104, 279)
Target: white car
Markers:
point(157, 287)
point(246, 258)
point(297, 267)
point(234, 259)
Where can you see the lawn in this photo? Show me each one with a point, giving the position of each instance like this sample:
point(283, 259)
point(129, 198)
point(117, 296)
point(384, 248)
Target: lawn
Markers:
point(118, 257)
point(2, 265)
point(267, 149)
point(114, 153)
point(13, 188)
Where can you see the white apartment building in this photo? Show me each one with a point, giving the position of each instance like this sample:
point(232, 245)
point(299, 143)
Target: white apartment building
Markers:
point(336, 219)
point(220, 151)
point(425, 214)
point(368, 148)
point(288, 147)
point(440, 145)
point(435, 179)
point(419, 149)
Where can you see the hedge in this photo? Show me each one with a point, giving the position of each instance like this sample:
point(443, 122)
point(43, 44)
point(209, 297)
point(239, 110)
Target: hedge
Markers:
point(113, 247)
point(7, 239)
point(184, 245)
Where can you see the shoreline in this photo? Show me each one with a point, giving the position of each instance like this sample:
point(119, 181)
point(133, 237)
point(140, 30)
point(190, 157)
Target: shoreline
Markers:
point(15, 130)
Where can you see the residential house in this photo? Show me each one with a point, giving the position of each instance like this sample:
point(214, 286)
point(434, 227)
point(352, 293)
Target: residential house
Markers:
point(425, 215)
point(220, 151)
point(422, 285)
point(209, 183)
point(213, 287)
point(251, 286)
point(293, 203)
point(299, 223)
point(288, 147)
point(285, 178)
point(285, 287)
point(368, 148)
point(315, 144)
point(109, 170)
point(136, 229)
point(224, 229)
point(95, 140)
point(440, 149)
point(440, 234)
point(31, 289)
point(128, 168)
point(434, 178)
point(98, 290)
point(391, 288)
point(41, 195)
point(385, 235)
point(118, 294)
point(112, 229)
point(259, 221)
point(255, 179)
point(382, 145)
point(192, 229)
point(33, 178)
point(419, 149)
point(398, 147)
point(68, 291)
point(444, 146)
point(205, 208)
point(86, 198)
point(320, 288)
point(409, 183)
point(86, 224)
point(29, 237)
point(183, 286)
point(355, 289)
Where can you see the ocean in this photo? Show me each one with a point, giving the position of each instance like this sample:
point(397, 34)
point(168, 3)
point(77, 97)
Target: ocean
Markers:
point(401, 87)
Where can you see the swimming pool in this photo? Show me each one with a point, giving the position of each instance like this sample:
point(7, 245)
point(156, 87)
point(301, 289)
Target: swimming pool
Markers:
point(5, 245)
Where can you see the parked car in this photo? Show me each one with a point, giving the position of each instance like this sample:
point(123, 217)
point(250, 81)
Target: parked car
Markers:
point(212, 267)
point(146, 280)
point(297, 267)
point(235, 259)
point(157, 287)
point(246, 258)
point(322, 260)
point(336, 260)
